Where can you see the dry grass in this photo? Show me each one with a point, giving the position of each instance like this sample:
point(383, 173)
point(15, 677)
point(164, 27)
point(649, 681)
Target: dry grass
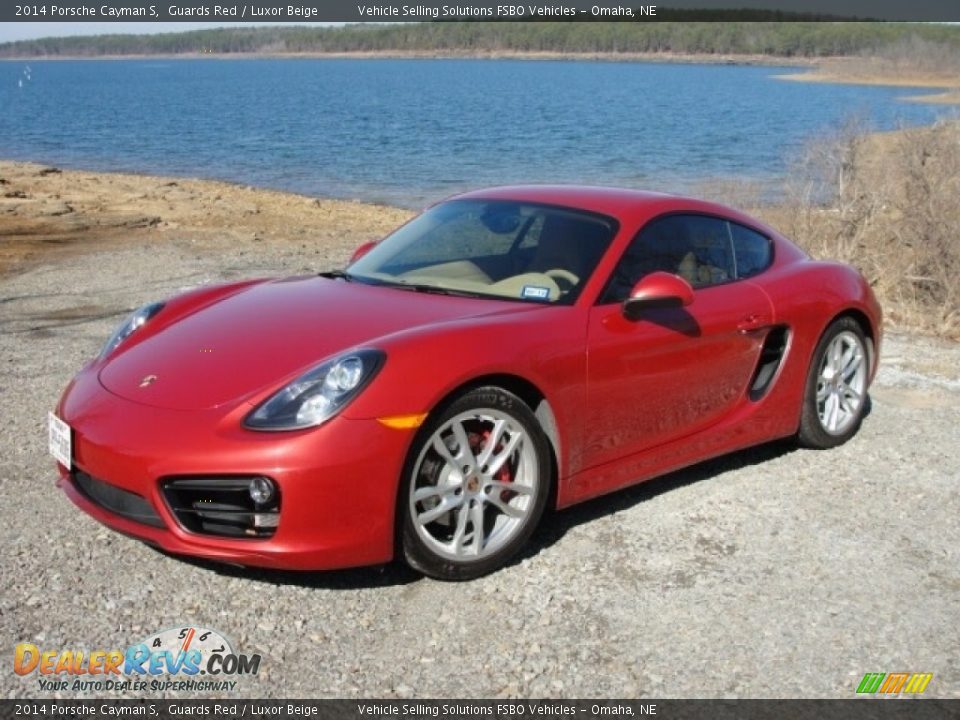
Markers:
point(912, 55)
point(911, 62)
point(888, 204)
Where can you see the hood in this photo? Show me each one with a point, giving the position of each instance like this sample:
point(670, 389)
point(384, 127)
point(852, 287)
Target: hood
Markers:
point(259, 337)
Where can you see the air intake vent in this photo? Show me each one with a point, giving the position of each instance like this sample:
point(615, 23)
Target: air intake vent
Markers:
point(116, 500)
point(771, 355)
point(225, 506)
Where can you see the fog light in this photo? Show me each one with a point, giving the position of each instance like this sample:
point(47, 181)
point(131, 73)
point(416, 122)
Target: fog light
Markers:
point(261, 490)
point(266, 520)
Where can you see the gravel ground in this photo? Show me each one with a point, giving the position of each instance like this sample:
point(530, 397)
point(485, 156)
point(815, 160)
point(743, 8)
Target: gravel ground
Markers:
point(770, 573)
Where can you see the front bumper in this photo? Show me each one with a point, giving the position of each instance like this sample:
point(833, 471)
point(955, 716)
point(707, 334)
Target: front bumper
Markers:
point(338, 482)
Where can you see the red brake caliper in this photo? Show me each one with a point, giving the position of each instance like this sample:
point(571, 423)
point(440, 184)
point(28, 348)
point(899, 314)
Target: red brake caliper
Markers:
point(503, 474)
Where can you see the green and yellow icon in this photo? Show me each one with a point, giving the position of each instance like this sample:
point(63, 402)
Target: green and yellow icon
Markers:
point(894, 683)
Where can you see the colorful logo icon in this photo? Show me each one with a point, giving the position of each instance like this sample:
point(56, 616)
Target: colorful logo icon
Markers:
point(156, 662)
point(894, 683)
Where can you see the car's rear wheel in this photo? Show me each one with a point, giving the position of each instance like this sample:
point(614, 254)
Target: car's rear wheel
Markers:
point(474, 487)
point(836, 393)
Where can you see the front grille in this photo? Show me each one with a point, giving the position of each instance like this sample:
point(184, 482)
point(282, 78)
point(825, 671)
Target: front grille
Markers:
point(221, 506)
point(116, 500)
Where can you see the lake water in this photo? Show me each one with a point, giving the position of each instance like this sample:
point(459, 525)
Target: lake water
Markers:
point(412, 131)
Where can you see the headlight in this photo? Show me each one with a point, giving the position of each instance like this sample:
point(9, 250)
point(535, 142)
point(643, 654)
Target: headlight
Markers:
point(315, 397)
point(137, 319)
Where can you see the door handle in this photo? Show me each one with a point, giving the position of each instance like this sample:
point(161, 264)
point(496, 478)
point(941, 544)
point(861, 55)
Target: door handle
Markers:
point(753, 321)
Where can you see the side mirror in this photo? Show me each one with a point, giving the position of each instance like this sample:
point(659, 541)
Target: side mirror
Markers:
point(362, 250)
point(657, 290)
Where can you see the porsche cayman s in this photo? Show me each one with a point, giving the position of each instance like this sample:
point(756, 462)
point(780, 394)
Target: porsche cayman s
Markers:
point(507, 350)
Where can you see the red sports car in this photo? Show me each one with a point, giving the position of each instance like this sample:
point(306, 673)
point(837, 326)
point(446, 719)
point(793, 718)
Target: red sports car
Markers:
point(505, 350)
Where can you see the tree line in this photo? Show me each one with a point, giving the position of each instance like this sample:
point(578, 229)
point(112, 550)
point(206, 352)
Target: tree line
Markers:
point(778, 39)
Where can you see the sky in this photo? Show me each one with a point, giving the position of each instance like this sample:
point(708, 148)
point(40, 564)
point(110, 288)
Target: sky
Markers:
point(29, 30)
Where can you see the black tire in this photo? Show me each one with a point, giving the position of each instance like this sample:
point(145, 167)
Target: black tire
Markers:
point(813, 431)
point(420, 541)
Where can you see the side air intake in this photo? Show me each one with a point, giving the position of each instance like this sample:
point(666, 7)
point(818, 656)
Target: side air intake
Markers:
point(771, 355)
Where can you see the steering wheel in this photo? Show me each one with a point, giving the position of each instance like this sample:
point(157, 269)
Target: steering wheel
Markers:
point(561, 274)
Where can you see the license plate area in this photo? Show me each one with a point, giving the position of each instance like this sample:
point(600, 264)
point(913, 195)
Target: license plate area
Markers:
point(60, 441)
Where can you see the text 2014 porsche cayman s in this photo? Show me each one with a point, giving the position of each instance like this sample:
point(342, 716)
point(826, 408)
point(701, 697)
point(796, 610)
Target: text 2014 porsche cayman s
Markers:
point(506, 350)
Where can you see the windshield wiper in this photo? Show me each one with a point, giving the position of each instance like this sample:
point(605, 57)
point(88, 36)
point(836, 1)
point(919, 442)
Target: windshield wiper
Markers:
point(337, 275)
point(414, 287)
point(433, 289)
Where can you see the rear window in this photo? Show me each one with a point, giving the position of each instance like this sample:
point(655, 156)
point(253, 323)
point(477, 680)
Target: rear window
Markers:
point(752, 250)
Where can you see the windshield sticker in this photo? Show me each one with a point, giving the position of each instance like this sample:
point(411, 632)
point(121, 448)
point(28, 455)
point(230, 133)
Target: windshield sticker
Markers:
point(536, 292)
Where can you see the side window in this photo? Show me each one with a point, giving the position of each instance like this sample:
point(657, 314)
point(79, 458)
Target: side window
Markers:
point(709, 258)
point(752, 251)
point(695, 247)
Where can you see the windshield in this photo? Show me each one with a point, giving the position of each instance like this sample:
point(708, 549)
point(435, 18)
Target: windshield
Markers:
point(496, 248)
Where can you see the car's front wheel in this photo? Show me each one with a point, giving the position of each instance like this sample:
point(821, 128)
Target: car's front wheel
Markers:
point(836, 393)
point(474, 487)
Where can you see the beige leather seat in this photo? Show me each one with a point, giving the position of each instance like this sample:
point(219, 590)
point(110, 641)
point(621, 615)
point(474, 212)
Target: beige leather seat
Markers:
point(457, 270)
point(513, 287)
point(697, 273)
point(687, 269)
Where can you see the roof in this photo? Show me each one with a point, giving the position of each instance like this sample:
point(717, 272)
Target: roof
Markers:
point(620, 203)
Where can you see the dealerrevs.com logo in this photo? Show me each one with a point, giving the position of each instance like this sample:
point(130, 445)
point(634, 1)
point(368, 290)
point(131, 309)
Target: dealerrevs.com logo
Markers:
point(186, 658)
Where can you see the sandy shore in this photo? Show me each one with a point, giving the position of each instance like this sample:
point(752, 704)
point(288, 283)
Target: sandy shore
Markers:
point(951, 97)
point(47, 214)
point(845, 71)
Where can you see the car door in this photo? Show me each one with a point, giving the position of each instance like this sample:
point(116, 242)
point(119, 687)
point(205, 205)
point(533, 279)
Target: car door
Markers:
point(672, 372)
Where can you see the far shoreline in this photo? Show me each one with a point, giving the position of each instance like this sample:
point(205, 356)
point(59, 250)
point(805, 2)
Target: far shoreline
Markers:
point(638, 57)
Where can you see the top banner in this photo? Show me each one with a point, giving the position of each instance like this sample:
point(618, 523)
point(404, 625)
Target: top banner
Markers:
point(355, 11)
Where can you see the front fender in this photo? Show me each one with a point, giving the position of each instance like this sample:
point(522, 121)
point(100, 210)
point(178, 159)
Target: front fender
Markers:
point(546, 348)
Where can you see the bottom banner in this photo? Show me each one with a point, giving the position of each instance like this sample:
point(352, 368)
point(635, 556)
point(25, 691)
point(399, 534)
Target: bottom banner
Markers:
point(866, 709)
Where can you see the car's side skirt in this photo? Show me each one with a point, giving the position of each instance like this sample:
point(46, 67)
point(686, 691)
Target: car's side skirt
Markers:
point(732, 434)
